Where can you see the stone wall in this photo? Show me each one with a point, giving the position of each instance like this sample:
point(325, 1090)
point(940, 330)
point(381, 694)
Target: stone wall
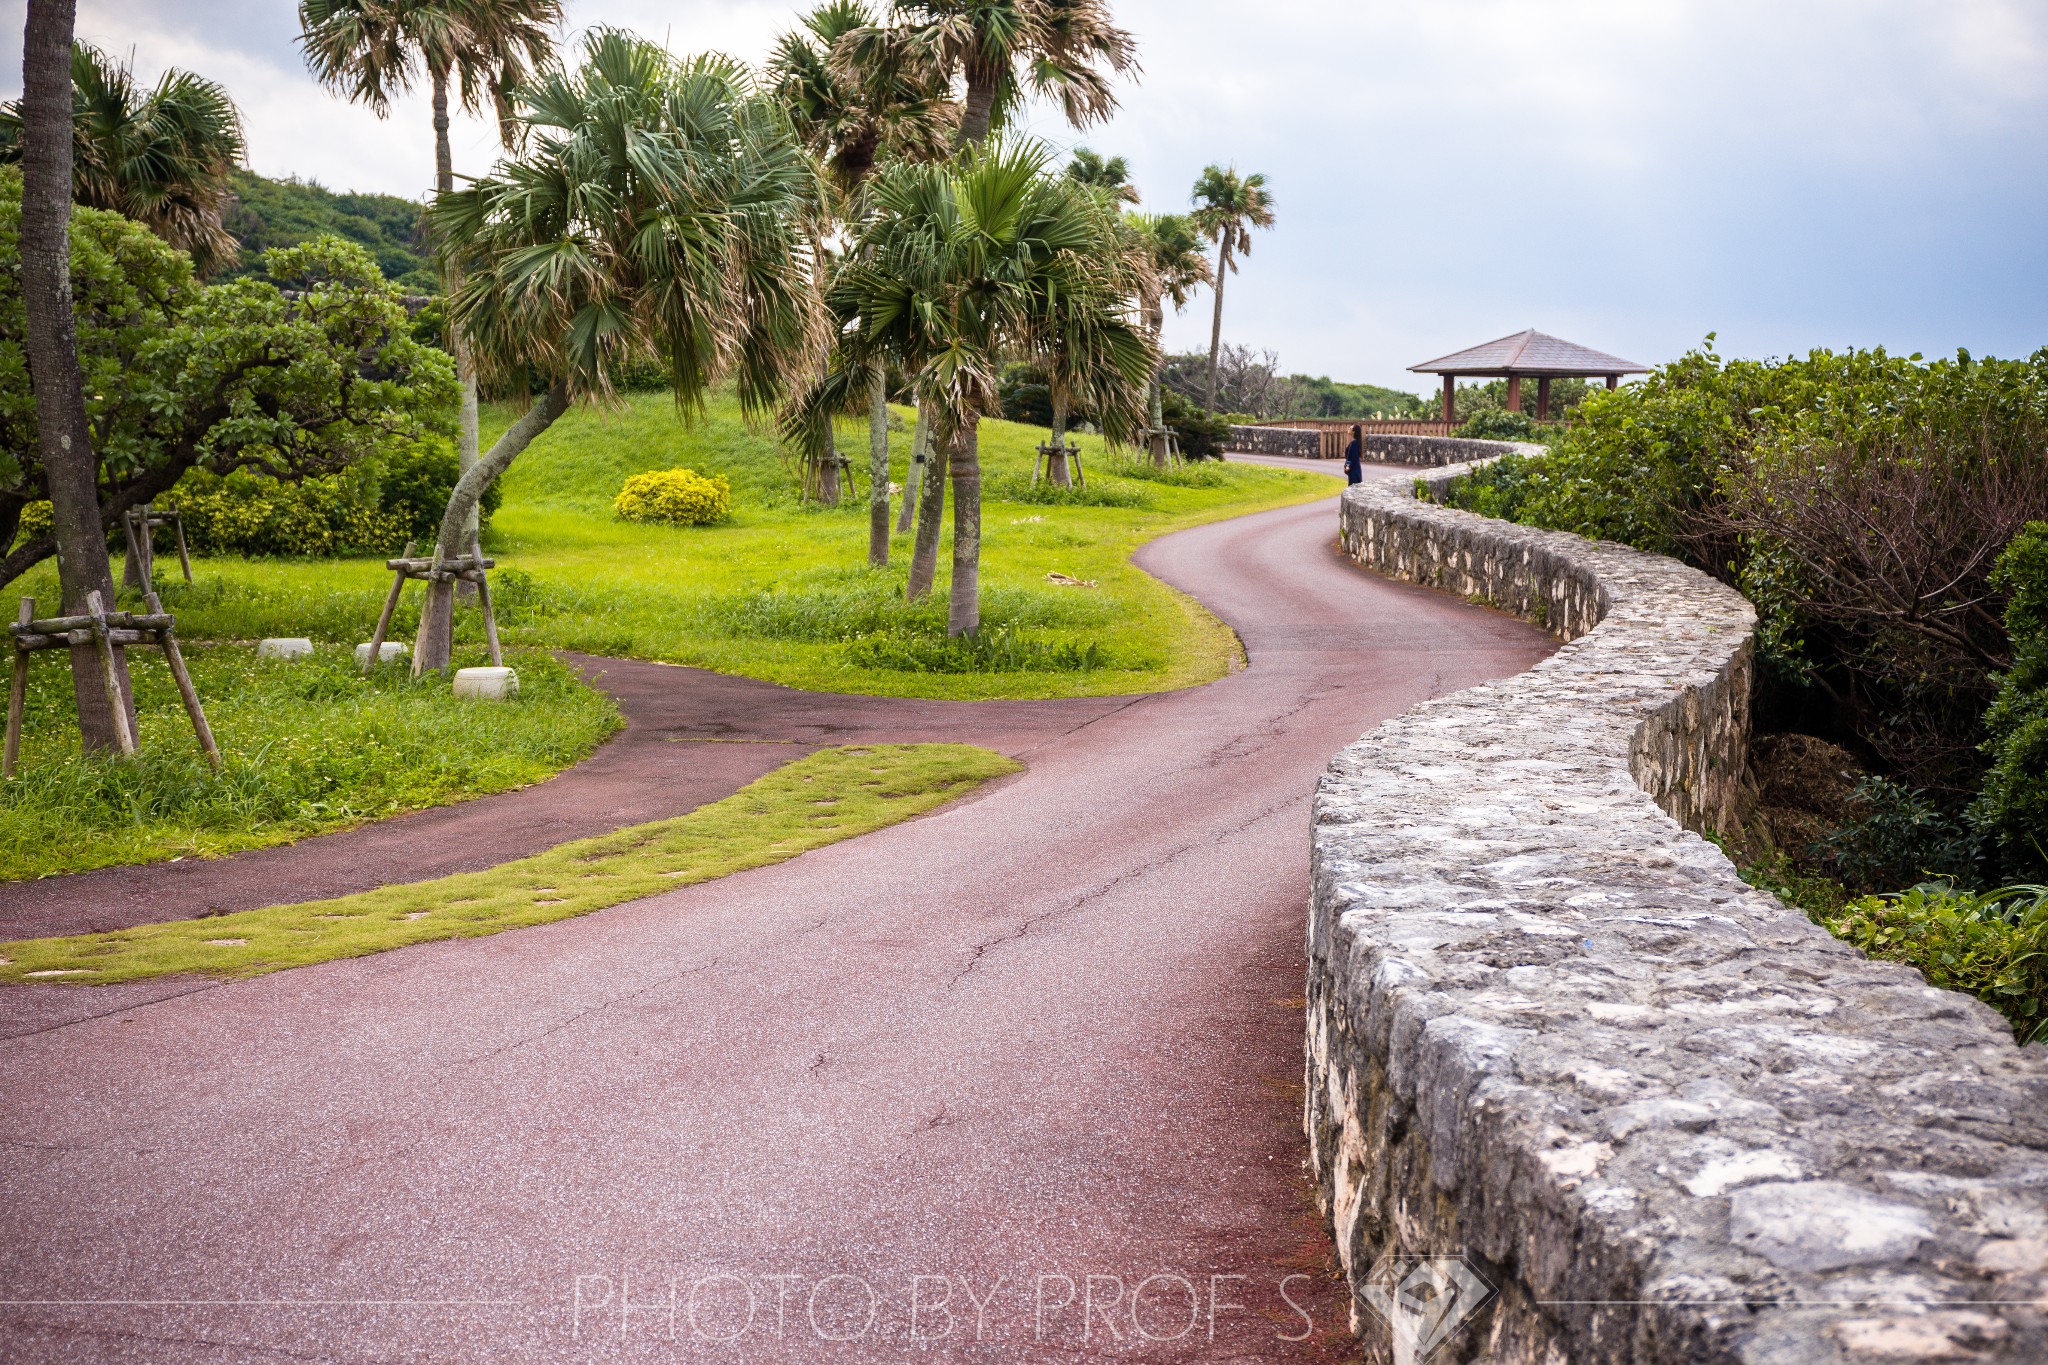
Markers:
point(1551, 1031)
point(1432, 451)
point(1297, 441)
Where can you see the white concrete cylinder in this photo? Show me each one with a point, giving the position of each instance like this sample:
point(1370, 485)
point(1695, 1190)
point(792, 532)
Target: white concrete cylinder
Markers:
point(490, 684)
point(392, 652)
point(284, 647)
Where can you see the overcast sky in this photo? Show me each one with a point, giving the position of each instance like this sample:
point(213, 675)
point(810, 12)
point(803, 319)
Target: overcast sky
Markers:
point(1630, 174)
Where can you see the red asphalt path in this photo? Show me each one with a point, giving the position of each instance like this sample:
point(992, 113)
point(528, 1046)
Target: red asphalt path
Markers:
point(1037, 1052)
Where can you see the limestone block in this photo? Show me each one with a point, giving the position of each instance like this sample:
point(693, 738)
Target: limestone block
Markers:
point(487, 684)
point(392, 652)
point(284, 647)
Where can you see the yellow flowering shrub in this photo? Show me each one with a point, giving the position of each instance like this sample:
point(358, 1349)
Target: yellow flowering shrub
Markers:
point(680, 497)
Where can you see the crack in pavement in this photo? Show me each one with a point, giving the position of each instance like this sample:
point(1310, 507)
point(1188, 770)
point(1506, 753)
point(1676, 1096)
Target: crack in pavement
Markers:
point(597, 1008)
point(981, 950)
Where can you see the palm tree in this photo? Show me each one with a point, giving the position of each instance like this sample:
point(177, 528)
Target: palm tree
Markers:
point(851, 105)
point(1008, 49)
point(163, 156)
point(1227, 207)
point(954, 268)
point(1169, 251)
point(1111, 175)
point(665, 211)
point(371, 50)
point(63, 433)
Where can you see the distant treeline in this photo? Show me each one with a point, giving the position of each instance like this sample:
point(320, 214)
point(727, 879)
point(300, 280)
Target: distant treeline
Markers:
point(1250, 382)
point(268, 213)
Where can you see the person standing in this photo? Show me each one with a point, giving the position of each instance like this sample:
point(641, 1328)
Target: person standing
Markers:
point(1354, 457)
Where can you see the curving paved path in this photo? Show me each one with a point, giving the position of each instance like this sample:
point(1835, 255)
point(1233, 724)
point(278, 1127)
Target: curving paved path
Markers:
point(1038, 1051)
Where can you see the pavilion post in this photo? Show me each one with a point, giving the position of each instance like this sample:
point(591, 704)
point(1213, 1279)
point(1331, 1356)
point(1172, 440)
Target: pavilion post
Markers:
point(1613, 381)
point(1543, 399)
point(1514, 393)
point(1450, 398)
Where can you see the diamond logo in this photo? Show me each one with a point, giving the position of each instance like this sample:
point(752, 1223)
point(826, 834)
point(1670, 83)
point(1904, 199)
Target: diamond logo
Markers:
point(1424, 1301)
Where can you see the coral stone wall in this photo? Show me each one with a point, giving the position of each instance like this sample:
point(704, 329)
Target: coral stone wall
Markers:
point(1552, 1032)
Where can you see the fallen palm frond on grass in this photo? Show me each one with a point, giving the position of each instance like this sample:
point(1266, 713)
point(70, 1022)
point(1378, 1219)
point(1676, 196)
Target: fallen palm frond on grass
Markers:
point(831, 795)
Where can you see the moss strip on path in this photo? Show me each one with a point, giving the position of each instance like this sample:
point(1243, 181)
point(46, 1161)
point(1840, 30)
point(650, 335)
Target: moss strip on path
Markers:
point(831, 795)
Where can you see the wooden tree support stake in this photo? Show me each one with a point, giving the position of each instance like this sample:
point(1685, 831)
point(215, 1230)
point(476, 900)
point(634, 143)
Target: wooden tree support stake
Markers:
point(104, 630)
point(471, 568)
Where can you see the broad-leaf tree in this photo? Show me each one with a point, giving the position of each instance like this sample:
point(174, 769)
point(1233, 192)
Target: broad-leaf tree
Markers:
point(297, 375)
point(1227, 207)
point(1168, 247)
point(478, 51)
point(1005, 51)
point(663, 211)
point(164, 156)
point(954, 268)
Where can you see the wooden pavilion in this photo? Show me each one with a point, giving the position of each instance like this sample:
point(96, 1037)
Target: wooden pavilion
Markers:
point(1526, 355)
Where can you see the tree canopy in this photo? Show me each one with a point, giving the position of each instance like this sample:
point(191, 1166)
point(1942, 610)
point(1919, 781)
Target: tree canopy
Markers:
point(299, 374)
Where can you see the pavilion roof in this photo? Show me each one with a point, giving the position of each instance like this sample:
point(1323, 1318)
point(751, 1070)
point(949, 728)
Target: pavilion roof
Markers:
point(1531, 352)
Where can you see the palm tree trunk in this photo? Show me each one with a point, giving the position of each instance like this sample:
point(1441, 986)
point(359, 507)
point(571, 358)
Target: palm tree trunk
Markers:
point(1216, 327)
point(878, 469)
point(63, 433)
point(931, 512)
point(1155, 399)
point(920, 447)
point(434, 647)
point(466, 447)
point(1056, 465)
point(980, 107)
point(963, 605)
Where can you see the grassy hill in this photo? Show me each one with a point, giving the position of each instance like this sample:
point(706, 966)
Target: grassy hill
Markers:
point(270, 213)
point(782, 591)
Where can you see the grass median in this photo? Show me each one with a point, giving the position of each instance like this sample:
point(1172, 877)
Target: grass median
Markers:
point(821, 799)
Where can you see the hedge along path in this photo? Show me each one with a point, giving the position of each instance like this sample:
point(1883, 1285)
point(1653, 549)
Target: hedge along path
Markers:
point(828, 796)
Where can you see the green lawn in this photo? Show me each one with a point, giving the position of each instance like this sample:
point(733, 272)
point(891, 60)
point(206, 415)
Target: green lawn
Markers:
point(783, 592)
point(831, 795)
point(307, 746)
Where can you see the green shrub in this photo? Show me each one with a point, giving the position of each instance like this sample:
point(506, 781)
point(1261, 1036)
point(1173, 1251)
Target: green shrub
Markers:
point(414, 481)
point(2012, 810)
point(372, 508)
point(1992, 944)
point(1897, 836)
point(1497, 424)
point(37, 519)
point(989, 650)
point(247, 514)
point(678, 497)
point(1200, 435)
point(1499, 489)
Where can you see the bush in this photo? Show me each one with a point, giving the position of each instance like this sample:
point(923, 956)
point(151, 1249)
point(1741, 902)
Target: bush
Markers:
point(248, 514)
point(2012, 811)
point(1498, 424)
point(414, 481)
point(678, 497)
point(995, 649)
point(1201, 435)
point(1993, 945)
point(1139, 466)
point(1896, 837)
